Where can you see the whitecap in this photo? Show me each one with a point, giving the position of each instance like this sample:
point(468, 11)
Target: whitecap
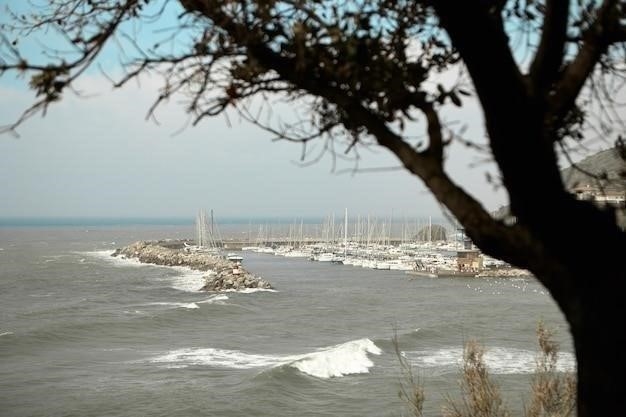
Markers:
point(499, 360)
point(115, 260)
point(251, 290)
point(224, 358)
point(335, 361)
point(5, 333)
point(340, 360)
point(214, 299)
point(177, 305)
point(189, 279)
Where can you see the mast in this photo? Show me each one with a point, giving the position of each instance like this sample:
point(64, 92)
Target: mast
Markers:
point(345, 235)
point(430, 228)
point(390, 228)
point(198, 229)
point(201, 231)
point(368, 231)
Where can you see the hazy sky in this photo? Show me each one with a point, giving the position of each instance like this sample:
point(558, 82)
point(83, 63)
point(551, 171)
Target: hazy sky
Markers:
point(98, 156)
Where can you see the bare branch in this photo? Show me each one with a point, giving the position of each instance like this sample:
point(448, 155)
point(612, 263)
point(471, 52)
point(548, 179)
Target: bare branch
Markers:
point(549, 56)
point(595, 42)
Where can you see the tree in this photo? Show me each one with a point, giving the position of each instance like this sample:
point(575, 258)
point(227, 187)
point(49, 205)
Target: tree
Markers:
point(545, 74)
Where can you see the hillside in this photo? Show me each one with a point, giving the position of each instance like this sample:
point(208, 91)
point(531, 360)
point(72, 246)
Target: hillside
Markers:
point(606, 164)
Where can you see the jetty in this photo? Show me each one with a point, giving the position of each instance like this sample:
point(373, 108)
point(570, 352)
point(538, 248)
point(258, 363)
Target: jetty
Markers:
point(223, 274)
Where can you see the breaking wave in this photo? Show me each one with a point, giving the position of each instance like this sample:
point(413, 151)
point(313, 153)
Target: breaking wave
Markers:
point(251, 290)
point(498, 360)
point(187, 280)
point(344, 359)
point(331, 362)
point(115, 260)
point(177, 305)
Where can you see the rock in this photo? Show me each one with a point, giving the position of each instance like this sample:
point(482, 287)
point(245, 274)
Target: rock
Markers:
point(221, 274)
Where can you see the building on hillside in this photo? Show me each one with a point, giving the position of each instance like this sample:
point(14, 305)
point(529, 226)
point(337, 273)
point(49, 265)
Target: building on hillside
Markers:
point(613, 196)
point(600, 178)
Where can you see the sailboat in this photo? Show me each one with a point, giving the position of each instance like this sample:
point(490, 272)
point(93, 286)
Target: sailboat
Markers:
point(206, 237)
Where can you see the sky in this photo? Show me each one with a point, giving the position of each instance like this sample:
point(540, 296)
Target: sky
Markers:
point(97, 156)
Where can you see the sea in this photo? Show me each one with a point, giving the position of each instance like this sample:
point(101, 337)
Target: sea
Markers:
point(85, 334)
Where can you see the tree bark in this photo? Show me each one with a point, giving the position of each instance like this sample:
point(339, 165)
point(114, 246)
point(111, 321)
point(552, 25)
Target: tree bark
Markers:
point(600, 341)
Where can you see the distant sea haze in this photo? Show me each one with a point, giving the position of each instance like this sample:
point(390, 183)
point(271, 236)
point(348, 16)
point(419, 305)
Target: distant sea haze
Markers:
point(91, 221)
point(138, 221)
point(245, 228)
point(189, 221)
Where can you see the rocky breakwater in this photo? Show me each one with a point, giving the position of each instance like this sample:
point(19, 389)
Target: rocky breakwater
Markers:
point(222, 274)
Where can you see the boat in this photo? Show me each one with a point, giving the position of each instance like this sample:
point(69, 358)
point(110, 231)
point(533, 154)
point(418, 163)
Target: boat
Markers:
point(234, 257)
point(442, 273)
point(326, 257)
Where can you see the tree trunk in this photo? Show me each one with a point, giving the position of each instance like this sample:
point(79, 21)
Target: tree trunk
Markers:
point(600, 343)
point(595, 307)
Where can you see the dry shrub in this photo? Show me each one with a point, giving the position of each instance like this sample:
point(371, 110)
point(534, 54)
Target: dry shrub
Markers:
point(553, 394)
point(411, 390)
point(480, 395)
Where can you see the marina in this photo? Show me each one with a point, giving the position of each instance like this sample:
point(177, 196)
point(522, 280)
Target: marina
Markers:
point(418, 247)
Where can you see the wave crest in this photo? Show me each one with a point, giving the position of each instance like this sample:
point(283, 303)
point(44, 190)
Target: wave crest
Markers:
point(332, 362)
point(178, 305)
point(344, 359)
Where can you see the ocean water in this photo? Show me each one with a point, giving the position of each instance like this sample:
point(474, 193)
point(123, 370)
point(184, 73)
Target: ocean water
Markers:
point(84, 334)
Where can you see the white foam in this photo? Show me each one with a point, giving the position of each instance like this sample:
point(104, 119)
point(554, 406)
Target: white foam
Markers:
point(335, 361)
point(115, 260)
point(499, 360)
point(5, 333)
point(189, 280)
point(178, 305)
point(218, 357)
point(251, 290)
point(214, 299)
point(345, 359)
